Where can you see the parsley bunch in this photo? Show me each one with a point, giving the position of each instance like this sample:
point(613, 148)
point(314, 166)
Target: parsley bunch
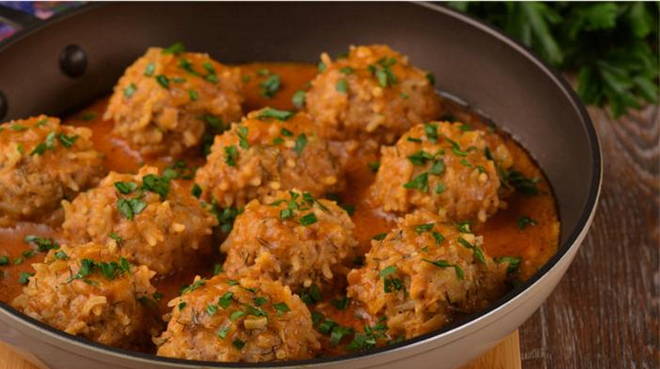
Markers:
point(611, 46)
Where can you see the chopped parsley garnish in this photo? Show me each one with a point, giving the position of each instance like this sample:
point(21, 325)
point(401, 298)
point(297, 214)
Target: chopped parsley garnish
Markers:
point(374, 166)
point(48, 144)
point(321, 66)
point(270, 86)
point(379, 236)
point(130, 90)
point(383, 73)
point(225, 300)
point(4, 260)
point(419, 229)
point(24, 277)
point(308, 219)
point(420, 182)
point(431, 131)
point(150, 69)
point(414, 139)
point(285, 132)
point(231, 154)
point(238, 314)
point(525, 221)
point(194, 95)
point(311, 295)
point(438, 167)
point(43, 244)
point(259, 300)
point(478, 254)
point(211, 309)
point(217, 269)
point(464, 227)
point(438, 237)
point(163, 81)
point(338, 333)
point(186, 65)
point(282, 115)
point(420, 157)
point(298, 99)
point(242, 133)
point(116, 237)
point(196, 190)
point(67, 141)
point(445, 264)
point(431, 78)
point(175, 49)
point(346, 70)
point(466, 163)
point(514, 263)
point(61, 255)
point(156, 184)
point(456, 148)
point(222, 332)
point(239, 344)
point(182, 305)
point(341, 303)
point(110, 270)
point(125, 187)
point(392, 284)
point(387, 271)
point(193, 286)
point(301, 142)
point(128, 208)
point(225, 216)
point(281, 308)
point(522, 184)
point(342, 86)
point(18, 128)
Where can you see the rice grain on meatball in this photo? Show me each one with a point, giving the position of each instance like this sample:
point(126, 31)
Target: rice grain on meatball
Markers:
point(441, 167)
point(89, 291)
point(41, 163)
point(291, 237)
point(269, 150)
point(373, 92)
point(152, 220)
point(166, 101)
point(238, 321)
point(423, 272)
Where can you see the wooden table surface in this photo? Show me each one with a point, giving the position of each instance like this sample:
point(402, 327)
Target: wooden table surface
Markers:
point(603, 313)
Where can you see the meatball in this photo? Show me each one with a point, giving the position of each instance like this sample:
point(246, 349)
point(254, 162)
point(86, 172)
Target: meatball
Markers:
point(152, 220)
point(371, 93)
point(269, 150)
point(168, 99)
point(248, 320)
point(291, 237)
point(41, 163)
point(89, 291)
point(441, 167)
point(424, 271)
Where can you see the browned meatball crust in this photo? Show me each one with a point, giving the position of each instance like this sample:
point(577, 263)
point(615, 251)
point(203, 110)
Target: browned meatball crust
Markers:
point(269, 150)
point(423, 272)
point(41, 163)
point(89, 291)
point(151, 219)
point(445, 168)
point(373, 92)
point(291, 237)
point(165, 100)
point(238, 321)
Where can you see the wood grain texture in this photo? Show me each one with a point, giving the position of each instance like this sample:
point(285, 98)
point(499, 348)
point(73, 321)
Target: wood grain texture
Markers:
point(604, 313)
point(506, 355)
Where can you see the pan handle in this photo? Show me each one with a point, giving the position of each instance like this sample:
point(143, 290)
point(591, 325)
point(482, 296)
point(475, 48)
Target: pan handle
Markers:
point(17, 19)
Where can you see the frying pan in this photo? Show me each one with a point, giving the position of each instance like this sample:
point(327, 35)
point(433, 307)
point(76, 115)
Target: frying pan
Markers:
point(60, 65)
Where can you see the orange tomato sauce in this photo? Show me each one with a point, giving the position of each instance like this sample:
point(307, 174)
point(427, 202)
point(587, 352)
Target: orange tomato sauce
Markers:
point(502, 236)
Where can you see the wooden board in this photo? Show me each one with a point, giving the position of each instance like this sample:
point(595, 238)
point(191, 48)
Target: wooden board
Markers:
point(506, 355)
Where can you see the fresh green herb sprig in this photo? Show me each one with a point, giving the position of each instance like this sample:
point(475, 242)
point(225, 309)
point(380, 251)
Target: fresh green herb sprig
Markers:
point(612, 46)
